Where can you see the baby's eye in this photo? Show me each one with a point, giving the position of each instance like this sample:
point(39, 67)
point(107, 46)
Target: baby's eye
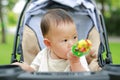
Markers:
point(75, 37)
point(65, 40)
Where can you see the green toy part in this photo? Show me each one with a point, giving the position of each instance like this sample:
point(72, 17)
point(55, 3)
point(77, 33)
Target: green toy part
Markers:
point(77, 52)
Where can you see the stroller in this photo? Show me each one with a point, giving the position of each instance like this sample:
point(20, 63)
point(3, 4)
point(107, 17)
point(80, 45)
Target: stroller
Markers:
point(84, 13)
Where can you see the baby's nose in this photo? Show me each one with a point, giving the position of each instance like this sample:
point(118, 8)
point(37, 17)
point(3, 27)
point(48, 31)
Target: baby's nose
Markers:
point(71, 43)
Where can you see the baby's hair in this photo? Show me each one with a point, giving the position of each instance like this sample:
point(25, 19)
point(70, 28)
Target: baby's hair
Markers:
point(54, 17)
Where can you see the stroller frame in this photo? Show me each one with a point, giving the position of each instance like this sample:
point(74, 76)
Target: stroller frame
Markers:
point(101, 60)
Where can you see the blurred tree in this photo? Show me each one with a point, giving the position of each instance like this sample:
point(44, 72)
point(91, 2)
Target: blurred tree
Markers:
point(2, 23)
point(9, 5)
point(111, 12)
point(104, 4)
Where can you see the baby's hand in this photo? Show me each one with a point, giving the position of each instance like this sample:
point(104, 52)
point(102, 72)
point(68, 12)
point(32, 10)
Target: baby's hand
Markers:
point(75, 64)
point(72, 58)
point(24, 66)
point(91, 56)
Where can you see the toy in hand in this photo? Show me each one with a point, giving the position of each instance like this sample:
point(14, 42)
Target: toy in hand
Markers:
point(81, 48)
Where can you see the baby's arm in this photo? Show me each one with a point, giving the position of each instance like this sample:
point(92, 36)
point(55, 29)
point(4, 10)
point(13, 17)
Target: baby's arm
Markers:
point(75, 63)
point(79, 49)
point(24, 66)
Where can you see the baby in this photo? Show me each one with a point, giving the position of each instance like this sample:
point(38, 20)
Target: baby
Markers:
point(59, 32)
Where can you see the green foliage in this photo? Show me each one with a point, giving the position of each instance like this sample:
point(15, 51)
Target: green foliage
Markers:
point(113, 23)
point(115, 3)
point(12, 18)
point(11, 4)
point(111, 12)
point(0, 26)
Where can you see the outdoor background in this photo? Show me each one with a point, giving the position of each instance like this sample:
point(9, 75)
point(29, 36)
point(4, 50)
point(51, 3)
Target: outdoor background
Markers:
point(9, 15)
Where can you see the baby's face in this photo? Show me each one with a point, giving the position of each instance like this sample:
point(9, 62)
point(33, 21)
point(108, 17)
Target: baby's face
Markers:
point(62, 38)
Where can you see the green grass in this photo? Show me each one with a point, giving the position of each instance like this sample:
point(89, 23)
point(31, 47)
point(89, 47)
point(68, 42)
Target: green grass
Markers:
point(114, 47)
point(7, 48)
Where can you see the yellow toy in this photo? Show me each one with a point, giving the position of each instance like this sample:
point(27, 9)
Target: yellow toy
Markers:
point(82, 47)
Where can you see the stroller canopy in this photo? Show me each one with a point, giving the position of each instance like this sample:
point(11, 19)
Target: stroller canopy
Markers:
point(82, 12)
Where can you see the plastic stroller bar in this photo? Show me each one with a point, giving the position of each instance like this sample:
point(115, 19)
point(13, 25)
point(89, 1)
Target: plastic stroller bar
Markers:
point(108, 54)
point(104, 41)
point(13, 59)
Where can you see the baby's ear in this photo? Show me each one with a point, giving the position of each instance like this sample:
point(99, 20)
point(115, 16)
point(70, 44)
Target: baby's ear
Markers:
point(47, 42)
